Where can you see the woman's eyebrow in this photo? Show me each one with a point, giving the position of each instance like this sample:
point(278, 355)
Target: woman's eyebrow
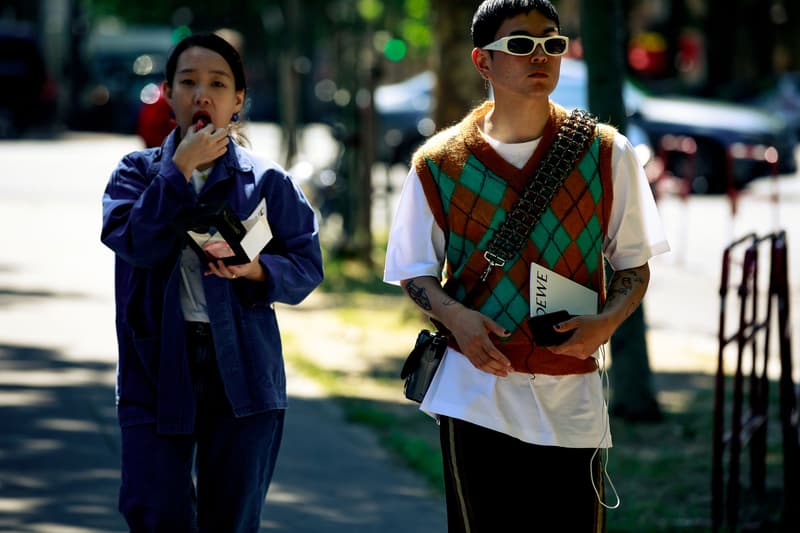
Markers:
point(216, 72)
point(220, 73)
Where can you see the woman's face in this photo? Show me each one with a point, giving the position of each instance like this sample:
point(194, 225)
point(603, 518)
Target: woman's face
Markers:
point(203, 90)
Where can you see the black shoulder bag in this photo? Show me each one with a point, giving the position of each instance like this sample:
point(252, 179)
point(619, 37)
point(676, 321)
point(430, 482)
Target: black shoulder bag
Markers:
point(572, 140)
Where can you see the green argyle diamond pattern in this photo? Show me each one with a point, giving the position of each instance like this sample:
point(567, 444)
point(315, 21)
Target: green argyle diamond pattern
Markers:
point(445, 183)
point(482, 181)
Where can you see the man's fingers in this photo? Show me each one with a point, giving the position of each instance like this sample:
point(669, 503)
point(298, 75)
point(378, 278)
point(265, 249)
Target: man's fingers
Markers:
point(566, 325)
point(493, 366)
point(498, 356)
point(493, 361)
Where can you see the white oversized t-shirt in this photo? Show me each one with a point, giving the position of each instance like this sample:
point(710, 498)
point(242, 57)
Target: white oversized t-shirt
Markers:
point(570, 410)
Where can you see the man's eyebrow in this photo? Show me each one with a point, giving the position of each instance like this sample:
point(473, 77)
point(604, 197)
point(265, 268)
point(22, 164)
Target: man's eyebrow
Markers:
point(549, 30)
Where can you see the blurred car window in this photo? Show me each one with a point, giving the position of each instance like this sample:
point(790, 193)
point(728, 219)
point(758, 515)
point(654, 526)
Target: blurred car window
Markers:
point(28, 97)
point(783, 99)
point(404, 120)
point(122, 67)
point(717, 128)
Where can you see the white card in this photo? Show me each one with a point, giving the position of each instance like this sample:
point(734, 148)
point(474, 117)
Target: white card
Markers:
point(551, 292)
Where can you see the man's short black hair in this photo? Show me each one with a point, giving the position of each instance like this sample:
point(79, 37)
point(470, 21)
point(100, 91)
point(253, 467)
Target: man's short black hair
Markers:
point(491, 14)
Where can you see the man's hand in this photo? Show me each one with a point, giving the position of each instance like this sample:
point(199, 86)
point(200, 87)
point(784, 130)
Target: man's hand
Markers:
point(470, 328)
point(589, 333)
point(625, 292)
point(472, 331)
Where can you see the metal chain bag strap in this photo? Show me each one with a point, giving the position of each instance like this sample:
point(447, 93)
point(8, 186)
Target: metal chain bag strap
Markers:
point(570, 143)
point(573, 137)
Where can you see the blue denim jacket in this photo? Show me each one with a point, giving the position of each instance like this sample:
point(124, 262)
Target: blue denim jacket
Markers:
point(143, 205)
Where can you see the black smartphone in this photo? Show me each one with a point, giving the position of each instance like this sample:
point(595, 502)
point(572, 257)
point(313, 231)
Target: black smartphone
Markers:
point(542, 328)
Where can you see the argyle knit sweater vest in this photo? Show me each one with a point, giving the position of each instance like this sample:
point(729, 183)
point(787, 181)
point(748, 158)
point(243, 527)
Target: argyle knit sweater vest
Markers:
point(471, 189)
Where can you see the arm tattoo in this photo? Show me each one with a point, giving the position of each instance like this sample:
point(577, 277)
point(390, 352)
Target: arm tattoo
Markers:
point(418, 295)
point(623, 283)
point(448, 301)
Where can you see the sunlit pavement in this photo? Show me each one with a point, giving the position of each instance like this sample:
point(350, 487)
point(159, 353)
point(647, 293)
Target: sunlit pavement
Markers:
point(682, 304)
point(59, 442)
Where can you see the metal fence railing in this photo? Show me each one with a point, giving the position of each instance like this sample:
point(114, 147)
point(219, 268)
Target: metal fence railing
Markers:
point(763, 317)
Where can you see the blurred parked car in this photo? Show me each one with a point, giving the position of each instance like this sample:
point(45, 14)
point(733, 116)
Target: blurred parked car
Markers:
point(28, 97)
point(783, 99)
point(403, 117)
point(124, 68)
point(716, 127)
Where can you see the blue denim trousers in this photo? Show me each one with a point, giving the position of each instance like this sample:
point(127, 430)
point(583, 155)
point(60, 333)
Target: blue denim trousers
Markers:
point(214, 480)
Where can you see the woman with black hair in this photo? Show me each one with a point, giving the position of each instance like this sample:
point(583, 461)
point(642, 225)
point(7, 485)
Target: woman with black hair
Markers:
point(201, 386)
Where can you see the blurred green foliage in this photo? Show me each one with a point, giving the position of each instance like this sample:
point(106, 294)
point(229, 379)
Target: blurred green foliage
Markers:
point(407, 20)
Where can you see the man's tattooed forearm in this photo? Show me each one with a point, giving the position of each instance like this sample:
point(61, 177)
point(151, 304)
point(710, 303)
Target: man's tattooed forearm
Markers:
point(448, 301)
point(623, 283)
point(418, 295)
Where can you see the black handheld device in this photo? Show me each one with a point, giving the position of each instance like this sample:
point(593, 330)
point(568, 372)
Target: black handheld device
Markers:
point(542, 328)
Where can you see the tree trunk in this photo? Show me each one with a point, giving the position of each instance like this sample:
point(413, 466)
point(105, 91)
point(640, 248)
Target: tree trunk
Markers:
point(459, 87)
point(355, 74)
point(721, 36)
point(289, 87)
point(631, 379)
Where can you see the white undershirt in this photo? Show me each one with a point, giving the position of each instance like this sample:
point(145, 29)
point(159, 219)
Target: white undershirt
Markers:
point(193, 296)
point(568, 411)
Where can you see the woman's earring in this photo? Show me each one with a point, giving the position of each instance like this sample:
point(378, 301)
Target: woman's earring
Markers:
point(235, 117)
point(171, 113)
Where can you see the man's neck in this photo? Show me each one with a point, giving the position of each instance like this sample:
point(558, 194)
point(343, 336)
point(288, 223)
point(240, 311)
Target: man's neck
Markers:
point(515, 121)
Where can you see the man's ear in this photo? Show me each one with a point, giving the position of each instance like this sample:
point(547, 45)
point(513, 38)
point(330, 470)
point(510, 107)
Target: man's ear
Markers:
point(481, 60)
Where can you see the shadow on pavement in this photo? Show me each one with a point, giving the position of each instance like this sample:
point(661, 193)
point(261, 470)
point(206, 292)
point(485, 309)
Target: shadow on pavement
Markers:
point(58, 444)
point(59, 449)
point(335, 477)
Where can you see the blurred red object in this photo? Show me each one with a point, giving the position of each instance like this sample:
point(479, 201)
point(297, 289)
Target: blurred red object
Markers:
point(155, 121)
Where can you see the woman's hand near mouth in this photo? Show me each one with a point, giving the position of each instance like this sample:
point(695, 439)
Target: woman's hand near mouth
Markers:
point(199, 148)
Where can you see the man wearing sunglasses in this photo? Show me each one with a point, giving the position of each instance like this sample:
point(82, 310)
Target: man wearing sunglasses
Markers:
point(523, 426)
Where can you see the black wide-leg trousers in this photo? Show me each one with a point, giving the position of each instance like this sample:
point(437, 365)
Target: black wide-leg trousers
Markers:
point(499, 484)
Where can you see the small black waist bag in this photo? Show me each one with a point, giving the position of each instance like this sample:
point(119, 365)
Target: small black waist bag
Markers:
point(421, 364)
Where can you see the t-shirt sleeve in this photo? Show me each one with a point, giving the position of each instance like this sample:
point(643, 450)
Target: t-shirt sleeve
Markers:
point(635, 231)
point(416, 242)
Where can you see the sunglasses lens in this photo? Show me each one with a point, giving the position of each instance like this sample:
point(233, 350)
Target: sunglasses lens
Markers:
point(555, 46)
point(520, 46)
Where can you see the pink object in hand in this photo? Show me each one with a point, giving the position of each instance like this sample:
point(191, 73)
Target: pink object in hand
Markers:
point(218, 249)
